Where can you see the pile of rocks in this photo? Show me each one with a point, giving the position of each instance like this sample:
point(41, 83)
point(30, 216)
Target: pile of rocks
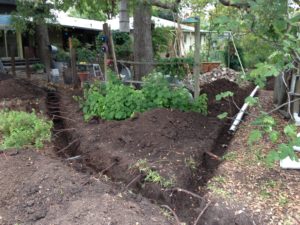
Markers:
point(218, 73)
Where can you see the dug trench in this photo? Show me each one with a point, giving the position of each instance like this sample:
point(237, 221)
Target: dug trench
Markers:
point(165, 155)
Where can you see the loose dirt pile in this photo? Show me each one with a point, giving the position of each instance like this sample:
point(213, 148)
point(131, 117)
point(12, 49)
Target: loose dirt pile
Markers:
point(19, 94)
point(229, 105)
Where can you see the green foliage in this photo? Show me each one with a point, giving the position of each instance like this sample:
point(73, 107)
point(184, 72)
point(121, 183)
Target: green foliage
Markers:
point(261, 73)
point(151, 174)
point(21, 129)
point(161, 40)
point(62, 56)
point(38, 66)
point(159, 94)
point(223, 95)
point(222, 115)
point(123, 44)
point(175, 67)
point(231, 58)
point(86, 54)
point(266, 127)
point(252, 101)
point(254, 136)
point(31, 13)
point(116, 101)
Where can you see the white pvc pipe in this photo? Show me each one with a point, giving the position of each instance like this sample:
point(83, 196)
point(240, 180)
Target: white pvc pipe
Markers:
point(239, 116)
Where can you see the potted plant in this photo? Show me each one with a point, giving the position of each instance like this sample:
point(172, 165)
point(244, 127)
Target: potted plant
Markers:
point(38, 67)
point(84, 56)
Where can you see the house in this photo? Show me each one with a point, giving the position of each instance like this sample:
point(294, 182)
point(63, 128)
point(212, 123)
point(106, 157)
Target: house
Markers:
point(65, 27)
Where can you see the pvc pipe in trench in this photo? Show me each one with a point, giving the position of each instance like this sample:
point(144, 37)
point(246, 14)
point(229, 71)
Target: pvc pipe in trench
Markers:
point(239, 116)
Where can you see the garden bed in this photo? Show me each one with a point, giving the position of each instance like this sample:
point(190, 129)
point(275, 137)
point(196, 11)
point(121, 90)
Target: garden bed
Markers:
point(174, 146)
point(153, 153)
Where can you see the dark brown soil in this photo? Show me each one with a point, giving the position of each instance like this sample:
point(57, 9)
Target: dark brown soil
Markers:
point(37, 189)
point(228, 105)
point(19, 88)
point(173, 143)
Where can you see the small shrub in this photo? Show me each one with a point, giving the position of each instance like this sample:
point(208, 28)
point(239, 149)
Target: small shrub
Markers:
point(21, 129)
point(38, 67)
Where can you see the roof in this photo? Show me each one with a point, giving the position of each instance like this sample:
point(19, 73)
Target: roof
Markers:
point(64, 20)
point(67, 21)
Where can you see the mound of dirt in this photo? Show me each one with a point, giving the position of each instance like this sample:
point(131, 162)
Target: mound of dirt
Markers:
point(228, 105)
point(35, 189)
point(17, 88)
point(19, 94)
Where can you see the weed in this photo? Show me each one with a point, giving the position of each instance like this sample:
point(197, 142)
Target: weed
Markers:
point(218, 190)
point(283, 200)
point(219, 179)
point(191, 163)
point(230, 156)
point(151, 175)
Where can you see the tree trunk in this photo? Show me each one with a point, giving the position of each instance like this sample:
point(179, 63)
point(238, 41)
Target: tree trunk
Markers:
point(124, 16)
point(43, 43)
point(143, 51)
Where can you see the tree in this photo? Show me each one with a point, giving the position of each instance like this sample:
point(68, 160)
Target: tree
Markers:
point(143, 49)
point(36, 13)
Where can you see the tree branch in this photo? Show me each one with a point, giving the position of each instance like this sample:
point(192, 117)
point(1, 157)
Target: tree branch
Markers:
point(235, 4)
point(165, 5)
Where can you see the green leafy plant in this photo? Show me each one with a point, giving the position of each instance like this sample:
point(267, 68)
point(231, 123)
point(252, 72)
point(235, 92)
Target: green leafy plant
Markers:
point(116, 101)
point(223, 95)
point(38, 67)
point(151, 174)
point(175, 67)
point(22, 129)
point(266, 128)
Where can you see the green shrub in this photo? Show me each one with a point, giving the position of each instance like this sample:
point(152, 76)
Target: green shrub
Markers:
point(175, 67)
point(21, 129)
point(116, 101)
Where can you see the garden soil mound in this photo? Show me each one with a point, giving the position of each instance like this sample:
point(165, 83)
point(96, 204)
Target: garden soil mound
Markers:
point(19, 94)
point(18, 88)
point(228, 105)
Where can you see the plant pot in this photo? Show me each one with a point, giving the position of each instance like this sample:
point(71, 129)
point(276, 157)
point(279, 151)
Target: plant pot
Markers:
point(83, 76)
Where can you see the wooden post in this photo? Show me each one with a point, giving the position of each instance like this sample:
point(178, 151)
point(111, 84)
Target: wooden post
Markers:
point(75, 79)
point(13, 61)
point(111, 47)
point(197, 62)
point(28, 74)
point(105, 67)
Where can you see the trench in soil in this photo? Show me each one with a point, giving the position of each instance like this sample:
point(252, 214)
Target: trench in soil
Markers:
point(185, 205)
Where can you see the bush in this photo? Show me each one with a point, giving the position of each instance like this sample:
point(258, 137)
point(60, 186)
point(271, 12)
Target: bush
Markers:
point(21, 129)
point(116, 101)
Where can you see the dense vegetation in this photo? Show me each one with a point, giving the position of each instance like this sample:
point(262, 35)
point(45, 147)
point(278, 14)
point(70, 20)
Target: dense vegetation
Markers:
point(21, 129)
point(116, 101)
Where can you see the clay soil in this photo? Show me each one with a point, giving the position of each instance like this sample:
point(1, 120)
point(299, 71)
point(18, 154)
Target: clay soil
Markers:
point(43, 187)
